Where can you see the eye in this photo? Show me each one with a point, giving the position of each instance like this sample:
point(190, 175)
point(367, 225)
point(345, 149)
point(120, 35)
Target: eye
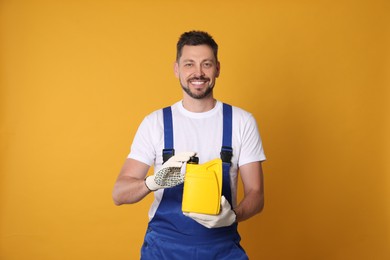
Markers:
point(189, 65)
point(207, 65)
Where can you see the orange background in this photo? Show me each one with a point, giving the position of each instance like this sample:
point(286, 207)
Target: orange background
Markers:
point(77, 78)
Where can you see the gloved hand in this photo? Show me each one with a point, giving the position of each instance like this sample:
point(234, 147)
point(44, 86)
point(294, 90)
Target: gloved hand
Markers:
point(170, 174)
point(226, 217)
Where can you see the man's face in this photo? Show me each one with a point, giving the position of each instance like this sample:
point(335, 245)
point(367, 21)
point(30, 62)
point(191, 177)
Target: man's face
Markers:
point(197, 70)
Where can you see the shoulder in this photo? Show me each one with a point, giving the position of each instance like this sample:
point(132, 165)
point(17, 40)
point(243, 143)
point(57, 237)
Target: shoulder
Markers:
point(240, 114)
point(156, 116)
point(151, 121)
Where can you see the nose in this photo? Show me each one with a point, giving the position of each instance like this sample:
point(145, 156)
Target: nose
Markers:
point(199, 71)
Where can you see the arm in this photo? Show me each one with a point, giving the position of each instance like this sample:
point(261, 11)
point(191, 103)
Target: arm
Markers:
point(253, 201)
point(130, 186)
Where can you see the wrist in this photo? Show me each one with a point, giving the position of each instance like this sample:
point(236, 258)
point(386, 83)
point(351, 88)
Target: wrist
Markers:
point(150, 184)
point(235, 216)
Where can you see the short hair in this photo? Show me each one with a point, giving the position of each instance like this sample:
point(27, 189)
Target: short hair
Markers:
point(194, 38)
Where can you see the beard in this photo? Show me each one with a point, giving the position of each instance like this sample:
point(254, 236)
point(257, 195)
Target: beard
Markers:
point(202, 95)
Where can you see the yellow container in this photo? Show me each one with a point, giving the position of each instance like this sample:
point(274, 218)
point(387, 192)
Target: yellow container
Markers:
point(203, 188)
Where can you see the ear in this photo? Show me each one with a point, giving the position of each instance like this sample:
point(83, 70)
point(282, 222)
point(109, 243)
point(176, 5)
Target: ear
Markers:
point(218, 69)
point(176, 69)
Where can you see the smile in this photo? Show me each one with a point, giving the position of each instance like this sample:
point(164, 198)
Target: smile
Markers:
point(198, 82)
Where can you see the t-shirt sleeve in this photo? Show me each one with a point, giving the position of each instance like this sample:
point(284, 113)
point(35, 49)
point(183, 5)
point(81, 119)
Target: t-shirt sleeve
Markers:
point(142, 148)
point(252, 146)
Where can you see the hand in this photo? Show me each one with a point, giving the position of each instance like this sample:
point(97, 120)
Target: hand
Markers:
point(170, 174)
point(226, 217)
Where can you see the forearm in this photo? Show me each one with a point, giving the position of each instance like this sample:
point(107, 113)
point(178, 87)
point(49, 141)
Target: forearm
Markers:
point(252, 204)
point(128, 190)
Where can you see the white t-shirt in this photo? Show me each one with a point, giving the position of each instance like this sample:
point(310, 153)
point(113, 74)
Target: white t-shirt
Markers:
point(200, 133)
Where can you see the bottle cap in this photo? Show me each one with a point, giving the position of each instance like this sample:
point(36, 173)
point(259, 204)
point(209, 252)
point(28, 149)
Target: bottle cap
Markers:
point(193, 160)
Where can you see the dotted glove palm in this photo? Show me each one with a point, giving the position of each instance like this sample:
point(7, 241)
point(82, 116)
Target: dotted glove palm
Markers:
point(226, 217)
point(170, 174)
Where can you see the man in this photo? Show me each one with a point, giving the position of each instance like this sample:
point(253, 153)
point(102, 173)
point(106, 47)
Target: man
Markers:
point(197, 123)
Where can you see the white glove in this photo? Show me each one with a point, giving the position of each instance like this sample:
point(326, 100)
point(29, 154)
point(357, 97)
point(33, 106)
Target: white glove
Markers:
point(226, 217)
point(170, 174)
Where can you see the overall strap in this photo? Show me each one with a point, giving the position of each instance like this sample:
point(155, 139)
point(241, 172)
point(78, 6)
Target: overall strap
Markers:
point(227, 150)
point(168, 150)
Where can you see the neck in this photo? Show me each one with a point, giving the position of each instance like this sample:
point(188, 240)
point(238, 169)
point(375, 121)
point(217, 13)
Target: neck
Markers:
point(198, 105)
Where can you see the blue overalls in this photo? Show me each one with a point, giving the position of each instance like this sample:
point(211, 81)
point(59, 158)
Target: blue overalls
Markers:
point(170, 234)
